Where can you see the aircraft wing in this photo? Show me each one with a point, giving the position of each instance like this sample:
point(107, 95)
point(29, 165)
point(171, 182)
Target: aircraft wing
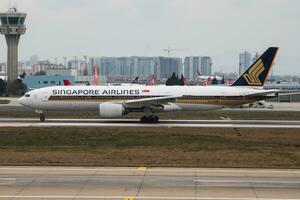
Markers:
point(264, 93)
point(154, 101)
point(281, 92)
point(274, 92)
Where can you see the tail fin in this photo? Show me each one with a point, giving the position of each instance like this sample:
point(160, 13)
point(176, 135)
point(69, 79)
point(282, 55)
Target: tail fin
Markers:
point(257, 73)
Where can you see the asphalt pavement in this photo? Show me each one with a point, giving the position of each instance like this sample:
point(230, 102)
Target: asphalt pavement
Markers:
point(148, 183)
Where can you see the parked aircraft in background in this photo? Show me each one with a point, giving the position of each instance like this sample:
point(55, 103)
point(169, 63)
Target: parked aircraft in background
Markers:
point(207, 78)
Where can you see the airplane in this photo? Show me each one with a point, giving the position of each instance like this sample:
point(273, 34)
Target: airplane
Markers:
point(207, 78)
point(117, 101)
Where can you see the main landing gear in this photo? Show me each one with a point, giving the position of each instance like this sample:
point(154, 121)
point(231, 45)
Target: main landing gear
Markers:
point(150, 119)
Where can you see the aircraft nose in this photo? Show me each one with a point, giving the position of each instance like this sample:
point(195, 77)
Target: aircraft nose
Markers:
point(21, 101)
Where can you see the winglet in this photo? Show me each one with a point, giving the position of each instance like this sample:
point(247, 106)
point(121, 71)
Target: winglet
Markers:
point(257, 73)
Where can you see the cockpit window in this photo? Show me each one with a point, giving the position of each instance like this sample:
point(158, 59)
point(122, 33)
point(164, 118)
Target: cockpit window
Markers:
point(27, 95)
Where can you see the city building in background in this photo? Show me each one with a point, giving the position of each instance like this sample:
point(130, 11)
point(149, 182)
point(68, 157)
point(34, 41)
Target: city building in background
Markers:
point(206, 66)
point(41, 66)
point(79, 65)
point(88, 80)
point(255, 57)
point(60, 71)
point(244, 61)
point(192, 65)
point(39, 81)
point(121, 70)
point(166, 66)
point(197, 65)
point(12, 26)
point(127, 68)
point(33, 60)
point(3, 68)
point(3, 71)
point(143, 67)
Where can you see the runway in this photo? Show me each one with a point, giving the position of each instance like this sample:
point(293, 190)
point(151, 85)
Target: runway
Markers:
point(148, 183)
point(277, 106)
point(227, 123)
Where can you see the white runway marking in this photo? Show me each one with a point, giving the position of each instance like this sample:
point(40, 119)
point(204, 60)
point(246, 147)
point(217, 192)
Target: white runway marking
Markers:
point(137, 198)
point(240, 170)
point(26, 122)
point(7, 179)
point(243, 181)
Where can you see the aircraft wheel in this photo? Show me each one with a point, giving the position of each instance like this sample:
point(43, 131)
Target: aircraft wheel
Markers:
point(42, 118)
point(144, 119)
point(155, 119)
point(149, 119)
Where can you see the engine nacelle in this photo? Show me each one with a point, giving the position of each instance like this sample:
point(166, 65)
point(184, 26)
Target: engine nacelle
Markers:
point(111, 110)
point(171, 107)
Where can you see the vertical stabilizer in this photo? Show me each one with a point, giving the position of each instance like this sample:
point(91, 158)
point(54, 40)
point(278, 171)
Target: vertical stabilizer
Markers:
point(257, 73)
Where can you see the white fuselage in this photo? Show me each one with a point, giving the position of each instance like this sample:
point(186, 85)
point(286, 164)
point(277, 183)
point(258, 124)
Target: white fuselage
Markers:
point(90, 97)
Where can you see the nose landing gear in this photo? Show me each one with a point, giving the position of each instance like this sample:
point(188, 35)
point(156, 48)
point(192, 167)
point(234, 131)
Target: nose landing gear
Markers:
point(42, 117)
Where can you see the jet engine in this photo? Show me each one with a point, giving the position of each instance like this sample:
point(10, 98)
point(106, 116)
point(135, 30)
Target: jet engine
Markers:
point(111, 110)
point(171, 107)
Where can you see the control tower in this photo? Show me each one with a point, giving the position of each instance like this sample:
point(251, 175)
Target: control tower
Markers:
point(12, 26)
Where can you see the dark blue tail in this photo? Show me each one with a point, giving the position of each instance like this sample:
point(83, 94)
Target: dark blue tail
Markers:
point(257, 73)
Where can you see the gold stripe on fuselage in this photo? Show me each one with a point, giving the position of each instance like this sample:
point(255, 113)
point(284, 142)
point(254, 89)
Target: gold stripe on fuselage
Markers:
point(213, 101)
point(225, 102)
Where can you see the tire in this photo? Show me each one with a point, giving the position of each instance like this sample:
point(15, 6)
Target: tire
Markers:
point(155, 119)
point(42, 118)
point(144, 119)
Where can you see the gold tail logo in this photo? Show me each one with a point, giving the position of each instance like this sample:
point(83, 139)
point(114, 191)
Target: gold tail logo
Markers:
point(252, 76)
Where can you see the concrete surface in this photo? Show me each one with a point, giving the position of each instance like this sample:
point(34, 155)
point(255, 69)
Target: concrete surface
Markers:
point(148, 183)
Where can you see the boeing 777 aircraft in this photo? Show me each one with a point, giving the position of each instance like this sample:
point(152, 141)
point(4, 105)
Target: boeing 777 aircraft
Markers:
point(116, 101)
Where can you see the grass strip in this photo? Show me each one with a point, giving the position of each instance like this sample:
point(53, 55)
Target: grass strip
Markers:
point(180, 147)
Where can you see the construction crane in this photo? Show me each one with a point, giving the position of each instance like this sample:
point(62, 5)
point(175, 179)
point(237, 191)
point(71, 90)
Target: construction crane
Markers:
point(169, 50)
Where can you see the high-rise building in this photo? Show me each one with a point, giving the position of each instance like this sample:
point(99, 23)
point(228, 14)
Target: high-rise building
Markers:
point(244, 61)
point(3, 68)
point(33, 60)
point(166, 66)
point(108, 66)
point(127, 68)
point(206, 66)
point(124, 67)
point(255, 57)
point(192, 64)
point(77, 64)
point(12, 26)
point(143, 67)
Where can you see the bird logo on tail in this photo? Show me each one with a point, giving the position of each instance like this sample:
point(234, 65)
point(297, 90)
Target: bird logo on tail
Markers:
point(252, 75)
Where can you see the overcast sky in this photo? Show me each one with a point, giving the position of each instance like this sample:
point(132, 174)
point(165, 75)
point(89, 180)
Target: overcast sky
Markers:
point(218, 28)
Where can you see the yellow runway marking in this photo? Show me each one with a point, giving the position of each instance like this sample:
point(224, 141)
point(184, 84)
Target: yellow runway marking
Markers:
point(142, 168)
point(129, 198)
